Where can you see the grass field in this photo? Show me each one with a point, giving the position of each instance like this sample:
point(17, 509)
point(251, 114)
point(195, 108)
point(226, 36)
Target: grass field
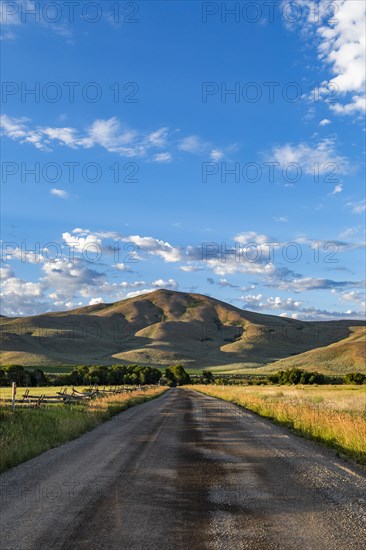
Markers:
point(332, 415)
point(5, 392)
point(26, 433)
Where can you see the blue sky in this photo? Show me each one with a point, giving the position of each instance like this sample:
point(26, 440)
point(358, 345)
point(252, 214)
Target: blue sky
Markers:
point(176, 145)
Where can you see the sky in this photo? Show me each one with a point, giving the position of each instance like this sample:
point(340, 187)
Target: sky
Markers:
point(207, 147)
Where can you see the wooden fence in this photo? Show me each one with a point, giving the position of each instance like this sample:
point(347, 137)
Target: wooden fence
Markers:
point(68, 397)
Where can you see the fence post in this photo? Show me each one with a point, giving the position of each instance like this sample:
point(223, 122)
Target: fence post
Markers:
point(13, 394)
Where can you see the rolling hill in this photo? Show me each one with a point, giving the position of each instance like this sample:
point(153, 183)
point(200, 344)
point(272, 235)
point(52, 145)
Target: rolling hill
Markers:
point(347, 355)
point(163, 327)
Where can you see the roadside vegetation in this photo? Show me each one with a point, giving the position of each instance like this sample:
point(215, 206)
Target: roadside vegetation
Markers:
point(292, 376)
point(94, 375)
point(27, 432)
point(31, 429)
point(332, 415)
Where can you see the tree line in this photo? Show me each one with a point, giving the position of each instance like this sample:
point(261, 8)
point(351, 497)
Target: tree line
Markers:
point(80, 375)
point(292, 376)
point(175, 375)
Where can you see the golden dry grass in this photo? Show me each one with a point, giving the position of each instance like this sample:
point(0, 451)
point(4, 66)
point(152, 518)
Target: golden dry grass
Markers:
point(333, 415)
point(26, 433)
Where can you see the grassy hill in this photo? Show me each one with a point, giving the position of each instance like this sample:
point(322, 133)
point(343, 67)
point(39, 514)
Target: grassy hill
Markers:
point(347, 355)
point(163, 327)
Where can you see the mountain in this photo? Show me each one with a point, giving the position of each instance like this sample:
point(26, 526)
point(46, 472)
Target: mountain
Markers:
point(161, 328)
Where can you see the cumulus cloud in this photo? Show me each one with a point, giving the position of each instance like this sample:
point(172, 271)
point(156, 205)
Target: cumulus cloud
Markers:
point(290, 307)
point(340, 43)
point(342, 46)
point(258, 302)
point(155, 247)
point(20, 297)
point(139, 292)
point(70, 276)
point(90, 242)
point(95, 301)
point(161, 283)
point(312, 283)
point(305, 156)
point(76, 278)
point(122, 267)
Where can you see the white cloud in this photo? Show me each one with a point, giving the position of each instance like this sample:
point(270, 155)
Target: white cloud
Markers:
point(357, 207)
point(68, 278)
point(216, 155)
point(224, 283)
point(358, 105)
point(6, 272)
point(289, 307)
point(20, 297)
point(139, 292)
point(324, 122)
point(13, 13)
point(65, 136)
point(18, 287)
point(322, 154)
point(252, 237)
point(121, 267)
point(190, 268)
point(13, 127)
point(155, 247)
point(353, 296)
point(273, 303)
point(192, 144)
point(110, 134)
point(337, 189)
point(158, 138)
point(95, 301)
point(280, 219)
point(61, 193)
point(162, 157)
point(343, 47)
point(169, 284)
point(340, 42)
point(132, 284)
point(312, 283)
point(352, 232)
point(79, 244)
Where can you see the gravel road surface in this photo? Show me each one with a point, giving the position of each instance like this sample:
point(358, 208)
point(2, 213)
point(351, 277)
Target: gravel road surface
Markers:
point(184, 471)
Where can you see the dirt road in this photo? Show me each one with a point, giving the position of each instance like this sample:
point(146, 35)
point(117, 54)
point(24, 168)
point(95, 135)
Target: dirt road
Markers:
point(186, 472)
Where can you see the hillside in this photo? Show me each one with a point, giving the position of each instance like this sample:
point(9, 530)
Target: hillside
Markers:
point(160, 328)
point(347, 355)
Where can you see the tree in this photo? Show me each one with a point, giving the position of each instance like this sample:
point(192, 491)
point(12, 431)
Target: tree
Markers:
point(207, 377)
point(16, 373)
point(38, 378)
point(355, 378)
point(3, 379)
point(177, 376)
